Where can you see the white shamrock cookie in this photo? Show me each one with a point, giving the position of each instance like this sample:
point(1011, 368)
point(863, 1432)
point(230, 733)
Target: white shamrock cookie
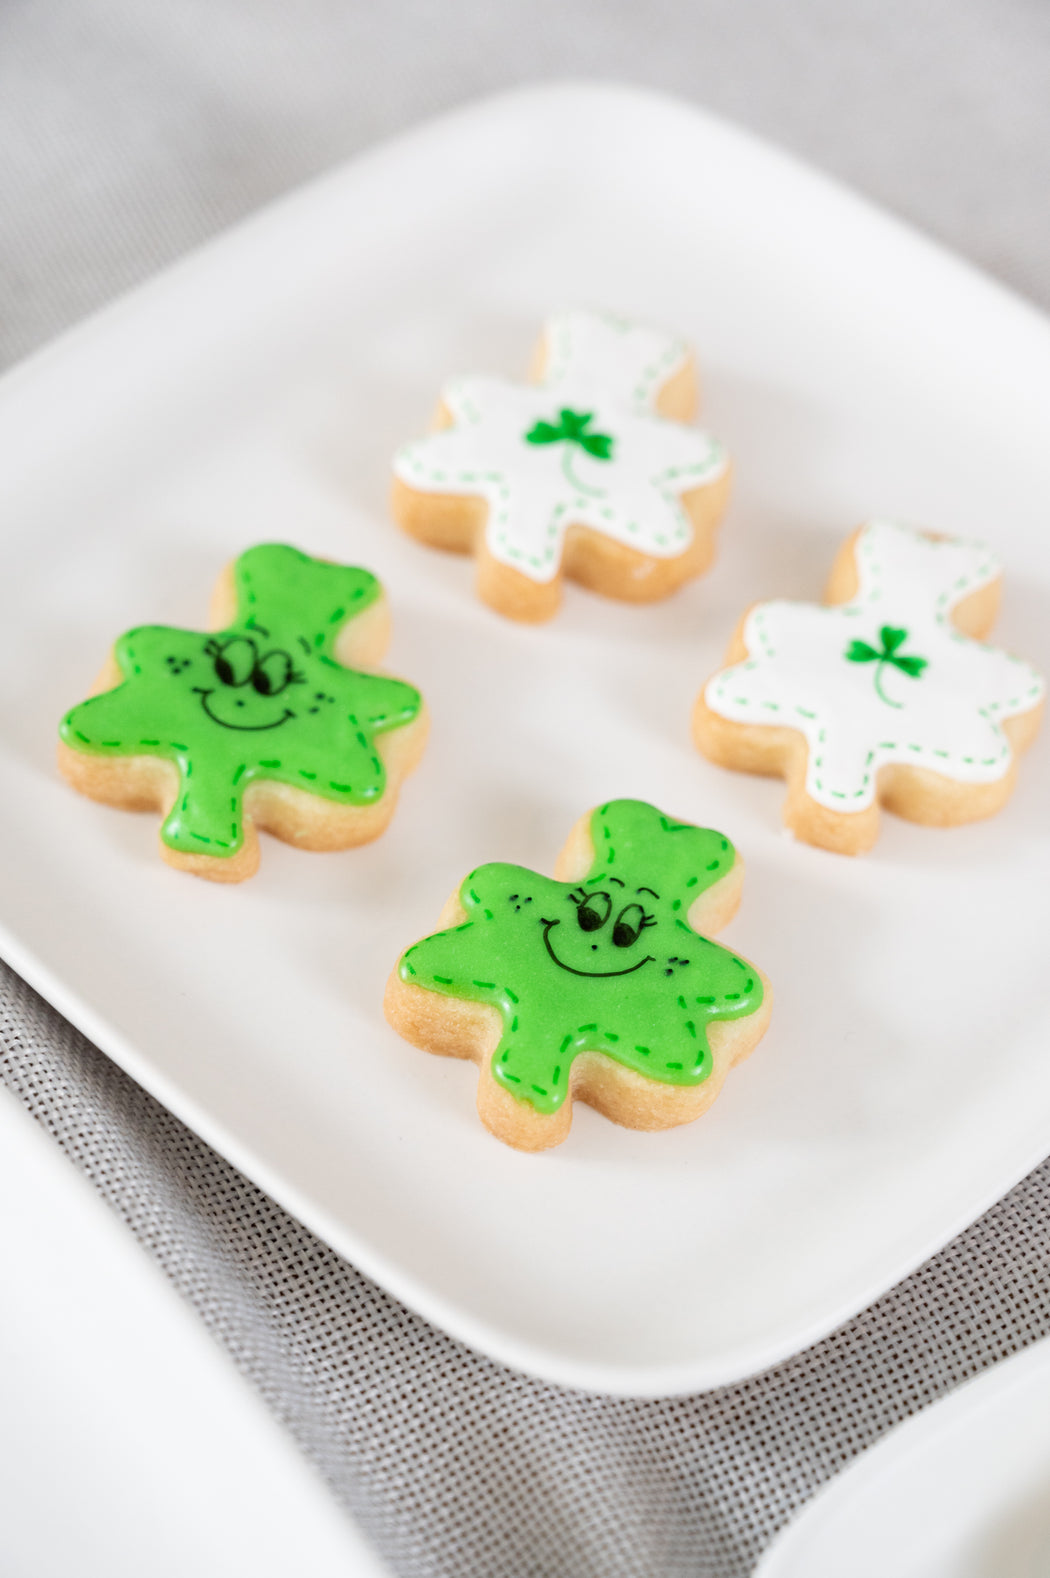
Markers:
point(591, 471)
point(887, 694)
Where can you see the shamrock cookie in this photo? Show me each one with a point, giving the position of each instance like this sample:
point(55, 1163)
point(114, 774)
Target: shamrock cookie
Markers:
point(261, 725)
point(588, 472)
point(888, 695)
point(594, 984)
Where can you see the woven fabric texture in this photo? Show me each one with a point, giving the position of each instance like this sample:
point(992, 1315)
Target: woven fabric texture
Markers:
point(459, 1468)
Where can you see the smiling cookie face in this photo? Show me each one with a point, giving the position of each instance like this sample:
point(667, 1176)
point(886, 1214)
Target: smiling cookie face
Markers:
point(264, 698)
point(604, 932)
point(610, 964)
point(251, 686)
point(260, 679)
point(250, 681)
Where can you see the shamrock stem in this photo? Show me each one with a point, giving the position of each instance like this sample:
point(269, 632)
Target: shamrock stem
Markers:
point(570, 476)
point(878, 686)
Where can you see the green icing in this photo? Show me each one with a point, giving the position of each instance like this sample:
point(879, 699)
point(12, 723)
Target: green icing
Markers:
point(264, 698)
point(572, 428)
point(891, 639)
point(606, 965)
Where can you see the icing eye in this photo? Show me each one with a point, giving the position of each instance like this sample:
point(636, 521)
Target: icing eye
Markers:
point(628, 926)
point(272, 673)
point(594, 911)
point(235, 661)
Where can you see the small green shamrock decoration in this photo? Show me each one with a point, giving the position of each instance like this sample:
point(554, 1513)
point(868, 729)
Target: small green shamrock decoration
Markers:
point(264, 698)
point(892, 640)
point(570, 429)
point(609, 964)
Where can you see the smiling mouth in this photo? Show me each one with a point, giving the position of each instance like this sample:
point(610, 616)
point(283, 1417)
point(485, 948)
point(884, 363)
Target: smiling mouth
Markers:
point(242, 728)
point(594, 975)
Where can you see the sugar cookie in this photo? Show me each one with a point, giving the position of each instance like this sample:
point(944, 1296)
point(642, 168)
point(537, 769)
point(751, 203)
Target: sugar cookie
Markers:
point(594, 984)
point(886, 695)
point(260, 725)
point(590, 471)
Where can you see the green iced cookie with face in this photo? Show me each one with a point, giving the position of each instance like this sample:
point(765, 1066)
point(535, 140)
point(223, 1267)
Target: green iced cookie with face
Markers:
point(261, 723)
point(608, 965)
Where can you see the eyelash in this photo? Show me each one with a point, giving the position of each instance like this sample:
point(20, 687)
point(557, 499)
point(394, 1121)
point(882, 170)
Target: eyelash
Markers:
point(578, 895)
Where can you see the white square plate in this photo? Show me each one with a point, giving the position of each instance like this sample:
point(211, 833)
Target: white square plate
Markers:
point(960, 1491)
point(257, 392)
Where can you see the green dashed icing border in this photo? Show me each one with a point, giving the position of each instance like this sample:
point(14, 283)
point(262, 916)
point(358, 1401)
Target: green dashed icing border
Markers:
point(559, 336)
point(494, 485)
point(941, 759)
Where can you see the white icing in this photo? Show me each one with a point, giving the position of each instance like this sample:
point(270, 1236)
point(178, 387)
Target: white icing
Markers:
point(598, 365)
point(947, 718)
point(628, 362)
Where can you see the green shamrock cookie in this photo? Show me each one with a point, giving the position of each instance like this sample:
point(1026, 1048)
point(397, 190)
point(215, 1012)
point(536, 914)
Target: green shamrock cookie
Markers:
point(264, 701)
point(609, 964)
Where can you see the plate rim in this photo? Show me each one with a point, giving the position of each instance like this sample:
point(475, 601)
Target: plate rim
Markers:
point(914, 1432)
point(648, 1380)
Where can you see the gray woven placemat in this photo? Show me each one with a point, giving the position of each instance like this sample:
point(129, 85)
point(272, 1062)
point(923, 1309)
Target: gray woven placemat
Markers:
point(460, 1468)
